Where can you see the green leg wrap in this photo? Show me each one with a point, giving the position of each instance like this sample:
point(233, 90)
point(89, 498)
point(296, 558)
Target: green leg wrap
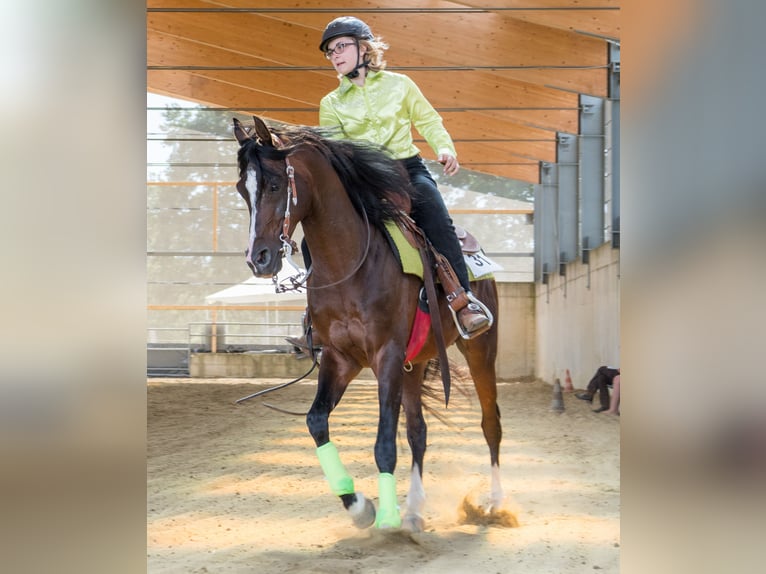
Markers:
point(334, 471)
point(388, 511)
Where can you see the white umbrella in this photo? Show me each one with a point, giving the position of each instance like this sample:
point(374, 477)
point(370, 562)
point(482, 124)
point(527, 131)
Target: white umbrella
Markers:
point(257, 291)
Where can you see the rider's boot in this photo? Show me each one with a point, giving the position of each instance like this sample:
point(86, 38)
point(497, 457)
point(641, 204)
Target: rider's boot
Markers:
point(471, 316)
point(473, 319)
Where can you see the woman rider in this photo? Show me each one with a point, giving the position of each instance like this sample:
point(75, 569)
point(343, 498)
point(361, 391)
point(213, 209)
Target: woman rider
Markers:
point(381, 106)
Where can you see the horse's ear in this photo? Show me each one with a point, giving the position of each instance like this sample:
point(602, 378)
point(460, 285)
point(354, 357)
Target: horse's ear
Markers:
point(261, 131)
point(239, 132)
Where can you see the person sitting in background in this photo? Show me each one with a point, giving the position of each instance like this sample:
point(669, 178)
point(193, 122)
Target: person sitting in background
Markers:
point(614, 405)
point(600, 382)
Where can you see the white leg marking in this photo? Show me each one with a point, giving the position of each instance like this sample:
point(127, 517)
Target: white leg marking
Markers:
point(362, 511)
point(357, 507)
point(416, 497)
point(496, 493)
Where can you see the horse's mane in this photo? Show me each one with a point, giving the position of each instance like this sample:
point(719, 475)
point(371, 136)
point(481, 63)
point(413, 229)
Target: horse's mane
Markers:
point(375, 183)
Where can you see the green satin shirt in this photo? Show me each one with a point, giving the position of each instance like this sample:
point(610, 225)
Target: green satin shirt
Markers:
point(383, 112)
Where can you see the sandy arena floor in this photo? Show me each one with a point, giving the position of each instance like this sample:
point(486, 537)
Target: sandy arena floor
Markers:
point(238, 488)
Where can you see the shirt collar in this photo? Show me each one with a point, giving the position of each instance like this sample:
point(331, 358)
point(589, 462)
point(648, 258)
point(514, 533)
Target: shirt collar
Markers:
point(346, 84)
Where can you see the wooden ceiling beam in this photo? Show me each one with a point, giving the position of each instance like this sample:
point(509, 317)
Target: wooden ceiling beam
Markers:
point(595, 17)
point(525, 172)
point(543, 106)
point(505, 81)
point(493, 152)
point(519, 50)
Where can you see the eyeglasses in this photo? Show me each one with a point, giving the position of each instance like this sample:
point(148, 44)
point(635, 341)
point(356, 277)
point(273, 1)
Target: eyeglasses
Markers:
point(338, 49)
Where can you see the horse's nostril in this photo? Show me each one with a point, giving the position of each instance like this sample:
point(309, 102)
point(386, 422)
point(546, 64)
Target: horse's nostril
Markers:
point(263, 258)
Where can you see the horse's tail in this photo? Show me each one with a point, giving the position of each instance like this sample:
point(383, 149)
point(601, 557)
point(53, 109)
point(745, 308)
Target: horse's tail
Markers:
point(434, 393)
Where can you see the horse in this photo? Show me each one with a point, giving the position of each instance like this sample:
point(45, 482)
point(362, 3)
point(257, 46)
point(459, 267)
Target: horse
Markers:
point(361, 304)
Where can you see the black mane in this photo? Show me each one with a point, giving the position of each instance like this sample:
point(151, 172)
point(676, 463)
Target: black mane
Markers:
point(368, 173)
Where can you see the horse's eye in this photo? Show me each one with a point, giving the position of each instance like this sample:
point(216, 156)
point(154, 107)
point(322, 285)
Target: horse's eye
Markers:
point(274, 187)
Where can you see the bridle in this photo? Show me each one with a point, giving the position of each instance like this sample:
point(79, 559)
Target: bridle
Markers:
point(288, 245)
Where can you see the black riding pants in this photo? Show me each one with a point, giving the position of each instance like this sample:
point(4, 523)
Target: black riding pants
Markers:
point(600, 382)
point(430, 214)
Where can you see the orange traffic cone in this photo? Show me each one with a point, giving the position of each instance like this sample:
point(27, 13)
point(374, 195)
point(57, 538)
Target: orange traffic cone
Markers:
point(568, 388)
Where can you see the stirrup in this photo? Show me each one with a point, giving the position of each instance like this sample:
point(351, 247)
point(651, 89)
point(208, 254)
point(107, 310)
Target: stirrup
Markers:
point(299, 342)
point(302, 349)
point(304, 344)
point(470, 335)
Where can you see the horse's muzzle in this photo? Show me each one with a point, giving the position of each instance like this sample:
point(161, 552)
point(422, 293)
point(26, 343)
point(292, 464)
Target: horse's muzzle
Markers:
point(263, 263)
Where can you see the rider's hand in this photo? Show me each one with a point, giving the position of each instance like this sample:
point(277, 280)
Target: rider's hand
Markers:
point(451, 166)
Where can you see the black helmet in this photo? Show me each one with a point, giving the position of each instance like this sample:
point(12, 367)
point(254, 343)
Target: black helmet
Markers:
point(345, 26)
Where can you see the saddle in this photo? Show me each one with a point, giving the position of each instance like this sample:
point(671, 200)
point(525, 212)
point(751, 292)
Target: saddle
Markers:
point(407, 229)
point(456, 296)
point(406, 248)
point(468, 242)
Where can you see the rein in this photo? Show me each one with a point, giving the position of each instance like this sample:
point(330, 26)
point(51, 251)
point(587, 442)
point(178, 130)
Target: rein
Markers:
point(299, 281)
point(282, 386)
point(358, 265)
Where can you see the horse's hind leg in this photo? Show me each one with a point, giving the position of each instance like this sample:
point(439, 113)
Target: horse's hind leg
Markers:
point(416, 437)
point(330, 388)
point(480, 354)
point(482, 368)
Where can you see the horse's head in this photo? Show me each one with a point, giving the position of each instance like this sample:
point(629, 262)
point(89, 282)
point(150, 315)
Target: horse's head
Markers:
point(266, 185)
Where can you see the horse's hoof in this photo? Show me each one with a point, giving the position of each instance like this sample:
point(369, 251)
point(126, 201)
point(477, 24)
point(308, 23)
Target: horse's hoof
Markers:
point(413, 523)
point(362, 511)
point(390, 520)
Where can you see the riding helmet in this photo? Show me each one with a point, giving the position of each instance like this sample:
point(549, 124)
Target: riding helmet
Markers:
point(345, 26)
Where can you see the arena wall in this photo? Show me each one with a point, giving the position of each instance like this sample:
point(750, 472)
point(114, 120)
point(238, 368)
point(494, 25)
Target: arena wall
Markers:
point(571, 323)
point(516, 347)
point(577, 317)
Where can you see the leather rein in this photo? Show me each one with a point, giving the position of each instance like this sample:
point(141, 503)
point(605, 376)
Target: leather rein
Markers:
point(288, 245)
point(299, 280)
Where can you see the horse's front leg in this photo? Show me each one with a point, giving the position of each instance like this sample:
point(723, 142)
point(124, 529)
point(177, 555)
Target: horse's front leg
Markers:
point(333, 380)
point(390, 375)
point(412, 398)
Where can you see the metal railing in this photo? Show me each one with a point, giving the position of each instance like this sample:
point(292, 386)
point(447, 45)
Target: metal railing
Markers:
point(167, 355)
point(172, 356)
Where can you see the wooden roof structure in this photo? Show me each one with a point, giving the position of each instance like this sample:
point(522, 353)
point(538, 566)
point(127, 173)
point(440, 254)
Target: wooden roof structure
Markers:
point(504, 74)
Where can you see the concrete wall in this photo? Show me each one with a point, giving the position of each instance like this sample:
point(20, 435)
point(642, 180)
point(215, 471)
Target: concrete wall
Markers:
point(516, 347)
point(578, 319)
point(247, 366)
point(571, 323)
point(516, 339)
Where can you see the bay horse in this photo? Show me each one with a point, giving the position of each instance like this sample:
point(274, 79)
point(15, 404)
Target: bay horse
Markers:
point(361, 304)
